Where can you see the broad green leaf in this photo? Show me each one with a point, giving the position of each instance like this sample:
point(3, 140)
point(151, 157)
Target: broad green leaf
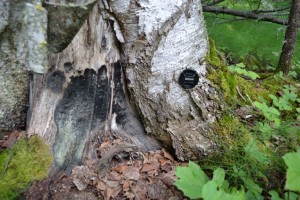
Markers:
point(292, 160)
point(251, 196)
point(274, 195)
point(261, 99)
point(281, 103)
point(289, 95)
point(241, 65)
point(291, 196)
point(212, 192)
point(252, 75)
point(219, 176)
point(191, 180)
point(261, 106)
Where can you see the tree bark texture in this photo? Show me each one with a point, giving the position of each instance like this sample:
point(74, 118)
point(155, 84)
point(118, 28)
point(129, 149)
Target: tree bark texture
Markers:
point(123, 65)
point(290, 38)
point(23, 47)
point(14, 76)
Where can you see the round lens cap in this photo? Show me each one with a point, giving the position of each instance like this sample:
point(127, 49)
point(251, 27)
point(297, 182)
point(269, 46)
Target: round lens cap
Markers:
point(188, 78)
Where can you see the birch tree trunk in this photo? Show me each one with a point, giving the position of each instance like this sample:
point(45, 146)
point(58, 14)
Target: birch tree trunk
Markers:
point(118, 78)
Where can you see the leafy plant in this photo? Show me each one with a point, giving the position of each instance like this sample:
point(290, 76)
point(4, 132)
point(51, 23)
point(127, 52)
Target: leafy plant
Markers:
point(191, 180)
point(194, 183)
point(253, 151)
point(240, 69)
point(275, 195)
point(281, 103)
point(270, 113)
point(218, 188)
point(292, 161)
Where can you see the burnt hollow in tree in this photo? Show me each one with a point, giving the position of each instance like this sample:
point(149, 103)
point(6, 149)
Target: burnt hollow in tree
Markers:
point(94, 103)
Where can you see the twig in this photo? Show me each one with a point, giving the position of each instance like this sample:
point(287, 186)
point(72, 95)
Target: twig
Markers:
point(250, 100)
point(238, 90)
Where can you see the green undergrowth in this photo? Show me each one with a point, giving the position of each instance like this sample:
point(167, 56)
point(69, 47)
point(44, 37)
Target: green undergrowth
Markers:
point(29, 160)
point(237, 90)
point(251, 150)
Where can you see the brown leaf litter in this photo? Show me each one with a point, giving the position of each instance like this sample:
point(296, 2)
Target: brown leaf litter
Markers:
point(122, 172)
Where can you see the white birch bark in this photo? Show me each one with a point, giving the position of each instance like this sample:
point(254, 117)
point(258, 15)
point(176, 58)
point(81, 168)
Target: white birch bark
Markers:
point(162, 38)
point(140, 47)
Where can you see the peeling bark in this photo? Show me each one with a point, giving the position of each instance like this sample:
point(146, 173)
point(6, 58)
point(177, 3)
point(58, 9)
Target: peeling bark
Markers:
point(122, 65)
point(161, 40)
point(82, 98)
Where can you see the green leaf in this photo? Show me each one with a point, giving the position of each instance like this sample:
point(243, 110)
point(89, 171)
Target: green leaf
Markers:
point(292, 160)
point(212, 192)
point(291, 196)
point(241, 65)
point(249, 183)
point(252, 75)
point(274, 195)
point(253, 151)
point(275, 100)
point(191, 180)
point(219, 176)
point(289, 95)
point(264, 127)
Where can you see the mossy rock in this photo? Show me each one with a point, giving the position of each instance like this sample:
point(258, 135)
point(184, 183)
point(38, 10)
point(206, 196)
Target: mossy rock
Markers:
point(30, 160)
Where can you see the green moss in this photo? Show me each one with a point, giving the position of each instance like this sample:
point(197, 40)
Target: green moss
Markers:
point(232, 136)
point(214, 57)
point(231, 133)
point(219, 75)
point(30, 160)
point(227, 83)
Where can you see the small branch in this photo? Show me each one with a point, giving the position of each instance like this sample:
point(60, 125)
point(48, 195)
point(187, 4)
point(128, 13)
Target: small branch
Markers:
point(245, 14)
point(274, 10)
point(214, 2)
point(239, 92)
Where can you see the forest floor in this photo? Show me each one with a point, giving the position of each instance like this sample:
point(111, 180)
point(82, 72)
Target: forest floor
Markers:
point(124, 174)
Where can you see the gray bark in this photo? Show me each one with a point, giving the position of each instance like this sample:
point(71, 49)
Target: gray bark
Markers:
point(14, 76)
point(23, 47)
point(123, 65)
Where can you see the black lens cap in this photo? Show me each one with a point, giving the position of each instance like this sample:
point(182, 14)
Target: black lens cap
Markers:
point(188, 78)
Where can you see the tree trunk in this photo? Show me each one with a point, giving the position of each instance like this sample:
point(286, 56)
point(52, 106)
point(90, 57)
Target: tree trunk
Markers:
point(122, 66)
point(290, 38)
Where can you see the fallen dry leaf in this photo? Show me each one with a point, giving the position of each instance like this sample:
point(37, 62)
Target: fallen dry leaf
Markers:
point(120, 168)
point(126, 185)
point(101, 186)
point(112, 184)
point(132, 173)
point(154, 165)
point(129, 195)
point(112, 192)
